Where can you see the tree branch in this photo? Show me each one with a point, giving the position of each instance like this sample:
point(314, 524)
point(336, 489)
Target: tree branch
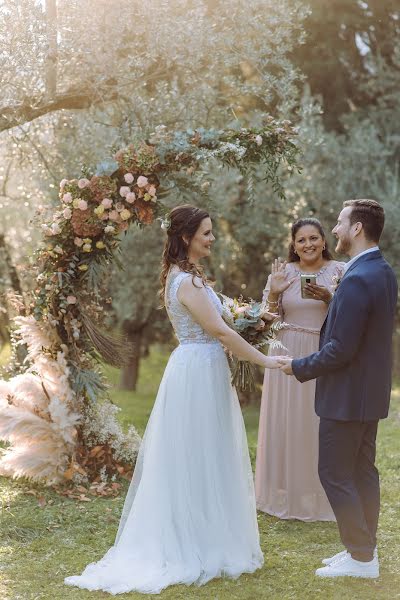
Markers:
point(76, 99)
point(39, 153)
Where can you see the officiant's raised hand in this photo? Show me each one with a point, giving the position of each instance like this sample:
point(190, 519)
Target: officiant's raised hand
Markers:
point(279, 277)
point(285, 364)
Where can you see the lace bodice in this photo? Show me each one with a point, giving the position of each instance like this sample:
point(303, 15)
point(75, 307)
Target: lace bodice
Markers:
point(187, 330)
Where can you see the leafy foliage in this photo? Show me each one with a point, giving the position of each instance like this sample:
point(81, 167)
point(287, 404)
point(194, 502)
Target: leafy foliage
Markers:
point(345, 39)
point(81, 239)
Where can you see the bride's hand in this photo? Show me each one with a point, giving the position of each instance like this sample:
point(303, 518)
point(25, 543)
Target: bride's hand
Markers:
point(279, 277)
point(275, 362)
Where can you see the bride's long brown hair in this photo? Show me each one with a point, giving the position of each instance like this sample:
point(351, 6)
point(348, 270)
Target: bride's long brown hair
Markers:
point(184, 222)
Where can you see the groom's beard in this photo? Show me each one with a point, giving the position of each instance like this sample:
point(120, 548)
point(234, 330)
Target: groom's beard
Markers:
point(344, 245)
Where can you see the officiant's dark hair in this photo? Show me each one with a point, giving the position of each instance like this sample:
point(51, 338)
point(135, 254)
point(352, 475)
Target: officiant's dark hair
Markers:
point(292, 256)
point(183, 222)
point(371, 214)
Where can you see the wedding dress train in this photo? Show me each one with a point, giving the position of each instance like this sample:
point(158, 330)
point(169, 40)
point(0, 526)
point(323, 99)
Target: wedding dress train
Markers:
point(189, 514)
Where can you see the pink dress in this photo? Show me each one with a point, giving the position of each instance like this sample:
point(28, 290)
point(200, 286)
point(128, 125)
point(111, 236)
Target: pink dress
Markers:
point(287, 482)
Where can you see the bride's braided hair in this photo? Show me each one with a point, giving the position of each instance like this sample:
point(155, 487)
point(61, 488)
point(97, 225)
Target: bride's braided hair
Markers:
point(184, 222)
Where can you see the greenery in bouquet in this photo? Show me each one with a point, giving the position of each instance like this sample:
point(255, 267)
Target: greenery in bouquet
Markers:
point(246, 318)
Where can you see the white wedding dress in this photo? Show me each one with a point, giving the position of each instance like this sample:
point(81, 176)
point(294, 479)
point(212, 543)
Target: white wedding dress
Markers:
point(189, 514)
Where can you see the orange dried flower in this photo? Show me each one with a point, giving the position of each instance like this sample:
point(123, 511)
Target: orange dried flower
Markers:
point(102, 186)
point(144, 211)
point(85, 224)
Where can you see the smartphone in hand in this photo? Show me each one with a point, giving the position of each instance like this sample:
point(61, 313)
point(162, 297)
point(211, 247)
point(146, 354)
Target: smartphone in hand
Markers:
point(306, 278)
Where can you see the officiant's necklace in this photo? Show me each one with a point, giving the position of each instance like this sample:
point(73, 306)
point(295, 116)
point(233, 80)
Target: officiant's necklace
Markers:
point(321, 270)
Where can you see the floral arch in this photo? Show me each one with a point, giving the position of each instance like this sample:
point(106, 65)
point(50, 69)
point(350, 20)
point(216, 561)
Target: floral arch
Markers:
point(49, 414)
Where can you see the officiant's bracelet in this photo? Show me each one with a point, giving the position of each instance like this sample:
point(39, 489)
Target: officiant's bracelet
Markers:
point(273, 303)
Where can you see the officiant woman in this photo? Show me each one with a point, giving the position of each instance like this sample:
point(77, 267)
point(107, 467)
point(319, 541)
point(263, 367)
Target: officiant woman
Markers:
point(287, 482)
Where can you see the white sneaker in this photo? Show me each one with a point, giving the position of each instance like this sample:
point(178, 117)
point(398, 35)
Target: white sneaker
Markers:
point(348, 567)
point(332, 559)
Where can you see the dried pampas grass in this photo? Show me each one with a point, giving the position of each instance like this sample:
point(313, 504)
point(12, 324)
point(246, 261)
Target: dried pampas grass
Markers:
point(38, 415)
point(26, 391)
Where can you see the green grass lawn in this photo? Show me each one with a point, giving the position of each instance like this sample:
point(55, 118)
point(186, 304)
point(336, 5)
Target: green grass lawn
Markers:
point(5, 353)
point(43, 542)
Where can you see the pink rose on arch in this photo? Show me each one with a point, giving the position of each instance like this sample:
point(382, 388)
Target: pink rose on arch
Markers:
point(82, 183)
point(107, 203)
point(67, 213)
point(152, 190)
point(78, 242)
point(82, 205)
point(67, 198)
point(124, 190)
point(142, 181)
point(113, 215)
point(119, 206)
point(63, 183)
point(129, 178)
point(71, 300)
point(131, 197)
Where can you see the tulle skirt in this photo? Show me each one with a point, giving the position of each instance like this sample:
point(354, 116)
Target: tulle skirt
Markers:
point(189, 514)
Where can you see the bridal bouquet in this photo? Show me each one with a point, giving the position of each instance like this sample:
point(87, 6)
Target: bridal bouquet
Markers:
point(245, 317)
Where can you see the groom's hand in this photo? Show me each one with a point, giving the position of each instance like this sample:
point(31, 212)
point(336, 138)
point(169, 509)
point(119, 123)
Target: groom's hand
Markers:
point(285, 365)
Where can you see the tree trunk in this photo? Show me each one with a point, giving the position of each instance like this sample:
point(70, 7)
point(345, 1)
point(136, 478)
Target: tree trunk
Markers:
point(15, 282)
point(130, 372)
point(4, 328)
point(52, 58)
point(21, 350)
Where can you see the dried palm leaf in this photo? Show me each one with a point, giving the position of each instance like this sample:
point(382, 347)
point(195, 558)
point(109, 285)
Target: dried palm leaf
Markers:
point(115, 350)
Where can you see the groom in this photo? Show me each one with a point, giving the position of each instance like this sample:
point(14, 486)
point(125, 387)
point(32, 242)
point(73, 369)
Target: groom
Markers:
point(353, 371)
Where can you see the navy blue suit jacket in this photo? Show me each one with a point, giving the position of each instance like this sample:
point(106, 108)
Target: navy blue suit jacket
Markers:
point(353, 365)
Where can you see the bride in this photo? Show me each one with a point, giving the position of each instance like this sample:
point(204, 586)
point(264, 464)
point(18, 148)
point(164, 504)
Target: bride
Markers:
point(189, 514)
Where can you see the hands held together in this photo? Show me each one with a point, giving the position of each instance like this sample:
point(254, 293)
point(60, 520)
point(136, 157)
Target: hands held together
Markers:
point(284, 363)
